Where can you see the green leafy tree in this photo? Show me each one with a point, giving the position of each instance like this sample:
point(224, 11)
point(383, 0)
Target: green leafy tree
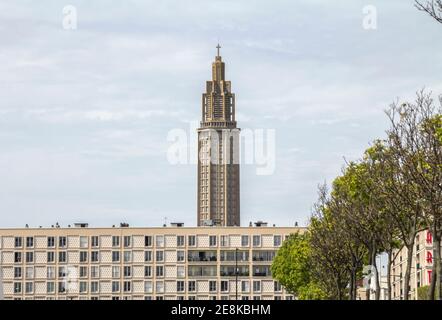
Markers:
point(292, 268)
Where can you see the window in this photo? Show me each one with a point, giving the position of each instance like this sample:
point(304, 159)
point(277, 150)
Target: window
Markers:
point(148, 271)
point(191, 241)
point(115, 286)
point(17, 257)
point(192, 286)
point(180, 256)
point(29, 257)
point(277, 286)
point(127, 241)
point(115, 271)
point(29, 287)
point(160, 271)
point(83, 272)
point(127, 256)
point(51, 256)
point(256, 286)
point(17, 272)
point(61, 287)
point(95, 256)
point(94, 287)
point(148, 287)
point(224, 286)
point(245, 241)
point(83, 242)
point(115, 256)
point(212, 241)
point(127, 286)
point(147, 256)
point(95, 272)
point(62, 256)
point(245, 286)
point(29, 242)
point(83, 256)
point(244, 298)
point(115, 241)
point(94, 243)
point(50, 287)
point(18, 242)
point(256, 298)
point(127, 271)
point(159, 256)
point(50, 272)
point(159, 241)
point(180, 272)
point(83, 286)
point(17, 287)
point(180, 286)
point(180, 241)
point(62, 242)
point(224, 241)
point(159, 286)
point(51, 242)
point(29, 272)
point(148, 241)
point(256, 241)
point(212, 286)
point(276, 241)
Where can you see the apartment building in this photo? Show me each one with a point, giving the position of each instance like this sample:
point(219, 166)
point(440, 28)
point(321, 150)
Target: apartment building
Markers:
point(82, 263)
point(421, 268)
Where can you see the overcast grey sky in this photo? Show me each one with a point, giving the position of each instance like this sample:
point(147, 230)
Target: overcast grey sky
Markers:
point(85, 113)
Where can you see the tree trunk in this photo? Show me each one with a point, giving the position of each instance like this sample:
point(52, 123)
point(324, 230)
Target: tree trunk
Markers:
point(390, 258)
point(338, 287)
point(370, 263)
point(351, 284)
point(408, 270)
point(437, 264)
point(378, 288)
point(354, 284)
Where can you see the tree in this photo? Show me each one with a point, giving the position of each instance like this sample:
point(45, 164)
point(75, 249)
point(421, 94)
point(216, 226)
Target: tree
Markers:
point(292, 268)
point(416, 138)
point(433, 8)
point(333, 250)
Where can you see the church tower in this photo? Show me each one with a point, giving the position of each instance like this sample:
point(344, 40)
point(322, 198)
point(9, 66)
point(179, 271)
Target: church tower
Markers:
point(218, 153)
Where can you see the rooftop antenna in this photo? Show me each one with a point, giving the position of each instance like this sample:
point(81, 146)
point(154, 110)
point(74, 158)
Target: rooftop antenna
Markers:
point(165, 222)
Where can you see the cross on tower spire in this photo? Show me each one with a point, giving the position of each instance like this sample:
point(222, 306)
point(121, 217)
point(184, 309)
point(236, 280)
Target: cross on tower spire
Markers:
point(218, 47)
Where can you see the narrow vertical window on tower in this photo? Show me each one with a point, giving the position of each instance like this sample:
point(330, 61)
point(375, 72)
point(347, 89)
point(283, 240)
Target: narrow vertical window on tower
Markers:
point(218, 147)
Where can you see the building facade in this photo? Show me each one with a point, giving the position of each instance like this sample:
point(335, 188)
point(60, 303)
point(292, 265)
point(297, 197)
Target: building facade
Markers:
point(421, 267)
point(83, 263)
point(218, 153)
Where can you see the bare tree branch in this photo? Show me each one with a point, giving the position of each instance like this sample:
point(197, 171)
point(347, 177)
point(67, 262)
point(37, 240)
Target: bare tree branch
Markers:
point(433, 8)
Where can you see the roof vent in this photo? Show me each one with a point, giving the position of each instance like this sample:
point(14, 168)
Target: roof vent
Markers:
point(81, 225)
point(260, 224)
point(177, 224)
point(124, 225)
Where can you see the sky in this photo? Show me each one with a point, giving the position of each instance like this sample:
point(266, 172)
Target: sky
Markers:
point(85, 113)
